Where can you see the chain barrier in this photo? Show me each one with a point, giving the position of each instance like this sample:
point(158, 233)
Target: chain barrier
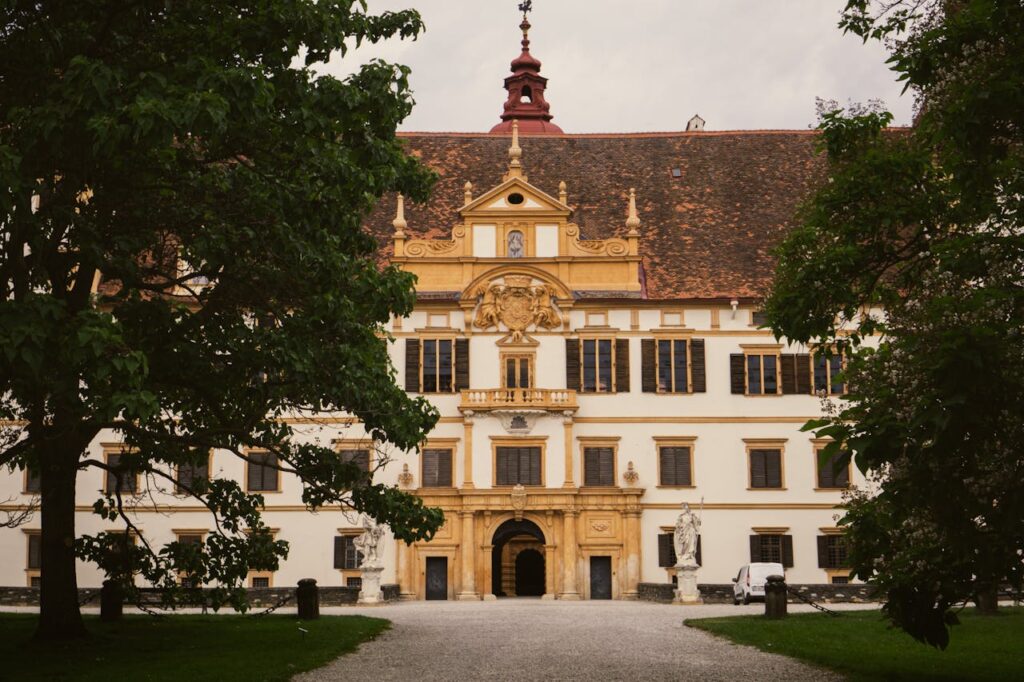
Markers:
point(270, 609)
point(88, 598)
point(811, 603)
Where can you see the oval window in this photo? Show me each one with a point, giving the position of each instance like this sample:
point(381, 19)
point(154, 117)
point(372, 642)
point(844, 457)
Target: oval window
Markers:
point(515, 198)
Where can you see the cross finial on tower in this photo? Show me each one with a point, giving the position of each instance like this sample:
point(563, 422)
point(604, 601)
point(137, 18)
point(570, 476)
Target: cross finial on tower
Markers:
point(525, 7)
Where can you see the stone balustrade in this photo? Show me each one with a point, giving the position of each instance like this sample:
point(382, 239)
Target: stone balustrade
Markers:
point(482, 400)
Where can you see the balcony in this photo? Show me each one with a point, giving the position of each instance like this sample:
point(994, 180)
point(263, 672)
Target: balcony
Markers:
point(551, 400)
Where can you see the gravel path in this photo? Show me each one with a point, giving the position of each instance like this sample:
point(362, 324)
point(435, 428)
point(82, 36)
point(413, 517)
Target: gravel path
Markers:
point(530, 639)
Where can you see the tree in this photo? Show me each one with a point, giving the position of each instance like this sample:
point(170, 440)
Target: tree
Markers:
point(917, 237)
point(183, 264)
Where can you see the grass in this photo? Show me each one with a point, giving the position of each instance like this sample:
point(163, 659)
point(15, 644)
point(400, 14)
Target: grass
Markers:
point(191, 648)
point(861, 645)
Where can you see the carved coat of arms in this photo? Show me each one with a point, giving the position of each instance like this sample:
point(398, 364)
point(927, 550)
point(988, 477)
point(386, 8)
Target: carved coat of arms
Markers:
point(517, 303)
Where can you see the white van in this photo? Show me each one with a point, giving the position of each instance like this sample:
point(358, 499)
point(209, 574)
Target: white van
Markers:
point(751, 579)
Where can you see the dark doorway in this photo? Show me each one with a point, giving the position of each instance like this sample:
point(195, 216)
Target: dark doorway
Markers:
point(437, 577)
point(529, 573)
point(600, 577)
point(505, 564)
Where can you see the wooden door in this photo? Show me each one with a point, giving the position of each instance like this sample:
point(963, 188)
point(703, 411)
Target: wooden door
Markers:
point(600, 577)
point(437, 577)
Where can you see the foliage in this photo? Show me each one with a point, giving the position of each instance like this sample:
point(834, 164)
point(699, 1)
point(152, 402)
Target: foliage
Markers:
point(229, 648)
point(861, 646)
point(925, 224)
point(187, 159)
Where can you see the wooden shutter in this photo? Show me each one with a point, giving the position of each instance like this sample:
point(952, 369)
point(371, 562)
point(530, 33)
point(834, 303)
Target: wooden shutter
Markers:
point(501, 457)
point(758, 469)
point(823, 561)
point(787, 551)
point(737, 376)
point(826, 479)
point(572, 364)
point(430, 465)
point(461, 364)
point(697, 366)
point(35, 555)
point(648, 366)
point(787, 367)
point(339, 551)
point(255, 472)
point(773, 468)
point(755, 549)
point(412, 365)
point(666, 550)
point(622, 365)
point(803, 374)
point(535, 476)
point(598, 466)
point(696, 556)
point(675, 465)
point(444, 468)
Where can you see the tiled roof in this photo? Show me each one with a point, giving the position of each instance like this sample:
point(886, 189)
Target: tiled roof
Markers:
point(704, 235)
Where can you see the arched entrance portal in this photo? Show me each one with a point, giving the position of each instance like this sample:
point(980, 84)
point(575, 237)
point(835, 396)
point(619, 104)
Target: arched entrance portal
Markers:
point(517, 561)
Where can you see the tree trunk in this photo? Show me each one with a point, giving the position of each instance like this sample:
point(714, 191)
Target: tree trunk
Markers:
point(987, 600)
point(59, 614)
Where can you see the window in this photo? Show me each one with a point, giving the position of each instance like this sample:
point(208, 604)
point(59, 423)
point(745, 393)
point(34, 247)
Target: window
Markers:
point(599, 466)
point(832, 551)
point(596, 363)
point(673, 364)
point(762, 373)
point(346, 556)
point(125, 479)
point(193, 476)
point(262, 472)
point(193, 540)
point(354, 582)
point(259, 581)
point(758, 318)
point(516, 244)
point(35, 551)
point(517, 465)
point(438, 366)
point(830, 475)
point(776, 548)
point(826, 374)
point(765, 468)
point(437, 468)
point(359, 456)
point(33, 484)
point(675, 465)
point(667, 550)
point(518, 371)
point(839, 579)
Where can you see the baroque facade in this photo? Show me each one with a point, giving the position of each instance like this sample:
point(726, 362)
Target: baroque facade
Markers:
point(589, 333)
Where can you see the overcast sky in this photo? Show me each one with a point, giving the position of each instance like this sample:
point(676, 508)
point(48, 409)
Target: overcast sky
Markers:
point(644, 65)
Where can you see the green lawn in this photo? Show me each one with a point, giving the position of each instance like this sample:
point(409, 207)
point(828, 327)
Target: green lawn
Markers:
point(182, 648)
point(861, 645)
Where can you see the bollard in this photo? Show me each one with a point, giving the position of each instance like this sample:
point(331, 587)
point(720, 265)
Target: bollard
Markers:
point(308, 598)
point(775, 597)
point(111, 601)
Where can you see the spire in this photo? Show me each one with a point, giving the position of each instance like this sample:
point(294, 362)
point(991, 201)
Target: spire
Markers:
point(632, 220)
point(515, 153)
point(525, 87)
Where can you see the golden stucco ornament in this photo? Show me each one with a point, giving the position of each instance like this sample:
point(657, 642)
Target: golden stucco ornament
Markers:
point(517, 303)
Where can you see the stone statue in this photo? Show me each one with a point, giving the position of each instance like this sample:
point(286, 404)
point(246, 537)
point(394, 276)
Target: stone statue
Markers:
point(367, 543)
point(687, 530)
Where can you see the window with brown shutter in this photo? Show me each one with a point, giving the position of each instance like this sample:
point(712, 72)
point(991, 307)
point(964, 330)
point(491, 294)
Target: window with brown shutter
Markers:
point(765, 468)
point(737, 373)
point(346, 556)
point(359, 456)
point(437, 468)
point(438, 366)
point(762, 373)
point(33, 484)
point(648, 366)
point(572, 364)
point(667, 551)
point(192, 476)
point(832, 551)
point(698, 371)
point(599, 466)
point(830, 473)
point(262, 472)
point(622, 365)
point(517, 465)
point(123, 477)
point(412, 365)
point(675, 465)
point(35, 551)
point(461, 364)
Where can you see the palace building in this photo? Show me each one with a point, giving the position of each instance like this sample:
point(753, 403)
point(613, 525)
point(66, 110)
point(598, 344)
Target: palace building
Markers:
point(587, 325)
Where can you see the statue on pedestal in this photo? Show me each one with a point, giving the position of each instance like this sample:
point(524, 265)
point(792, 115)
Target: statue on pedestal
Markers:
point(367, 543)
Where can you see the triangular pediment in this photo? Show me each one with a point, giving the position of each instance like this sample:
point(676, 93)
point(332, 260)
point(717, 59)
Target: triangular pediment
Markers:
point(502, 199)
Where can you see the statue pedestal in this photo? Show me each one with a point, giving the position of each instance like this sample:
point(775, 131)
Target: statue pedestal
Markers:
point(686, 585)
point(370, 593)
